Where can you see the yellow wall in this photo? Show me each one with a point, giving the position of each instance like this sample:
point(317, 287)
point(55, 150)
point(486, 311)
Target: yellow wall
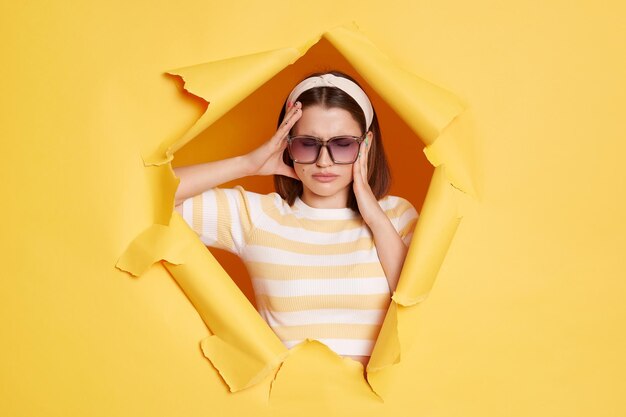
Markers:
point(527, 314)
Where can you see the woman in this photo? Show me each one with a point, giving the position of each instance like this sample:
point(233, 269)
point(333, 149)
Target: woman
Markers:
point(325, 251)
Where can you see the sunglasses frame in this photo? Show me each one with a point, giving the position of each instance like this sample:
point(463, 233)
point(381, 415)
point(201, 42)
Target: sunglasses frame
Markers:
point(321, 143)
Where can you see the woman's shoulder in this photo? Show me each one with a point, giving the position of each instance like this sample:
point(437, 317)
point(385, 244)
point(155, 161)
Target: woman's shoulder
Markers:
point(395, 203)
point(264, 199)
point(240, 189)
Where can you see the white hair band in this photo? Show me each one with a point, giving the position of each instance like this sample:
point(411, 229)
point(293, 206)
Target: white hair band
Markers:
point(344, 84)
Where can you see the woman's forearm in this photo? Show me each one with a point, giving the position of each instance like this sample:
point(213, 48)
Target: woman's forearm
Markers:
point(267, 159)
point(390, 248)
point(196, 179)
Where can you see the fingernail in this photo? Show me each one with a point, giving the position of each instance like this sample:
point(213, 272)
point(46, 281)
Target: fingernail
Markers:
point(289, 104)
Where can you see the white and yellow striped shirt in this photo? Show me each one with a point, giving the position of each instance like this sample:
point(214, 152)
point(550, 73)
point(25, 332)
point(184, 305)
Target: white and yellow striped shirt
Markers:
point(315, 272)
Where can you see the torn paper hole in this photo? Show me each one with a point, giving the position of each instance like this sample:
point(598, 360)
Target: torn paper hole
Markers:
point(243, 347)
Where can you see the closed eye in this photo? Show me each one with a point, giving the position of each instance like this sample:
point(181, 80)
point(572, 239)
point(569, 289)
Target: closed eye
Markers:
point(344, 142)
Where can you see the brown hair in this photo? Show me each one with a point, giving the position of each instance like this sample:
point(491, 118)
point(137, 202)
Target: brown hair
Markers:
point(379, 177)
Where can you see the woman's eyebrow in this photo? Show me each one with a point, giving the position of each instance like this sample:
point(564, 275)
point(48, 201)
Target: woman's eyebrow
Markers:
point(322, 139)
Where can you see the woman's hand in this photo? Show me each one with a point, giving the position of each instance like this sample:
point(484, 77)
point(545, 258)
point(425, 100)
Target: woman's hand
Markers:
point(390, 248)
point(268, 158)
point(368, 205)
point(265, 160)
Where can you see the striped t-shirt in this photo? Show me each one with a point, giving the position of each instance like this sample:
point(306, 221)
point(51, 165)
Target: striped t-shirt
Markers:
point(315, 272)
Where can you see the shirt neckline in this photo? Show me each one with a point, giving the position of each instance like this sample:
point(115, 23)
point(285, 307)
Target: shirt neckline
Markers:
point(324, 213)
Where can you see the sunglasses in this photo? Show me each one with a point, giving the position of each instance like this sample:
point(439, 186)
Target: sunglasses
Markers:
point(306, 149)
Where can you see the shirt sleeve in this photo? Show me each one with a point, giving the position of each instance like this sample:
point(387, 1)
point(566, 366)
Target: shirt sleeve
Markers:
point(405, 219)
point(222, 217)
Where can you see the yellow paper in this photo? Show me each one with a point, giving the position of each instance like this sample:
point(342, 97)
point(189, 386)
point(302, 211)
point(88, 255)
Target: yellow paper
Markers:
point(525, 315)
point(242, 348)
point(427, 109)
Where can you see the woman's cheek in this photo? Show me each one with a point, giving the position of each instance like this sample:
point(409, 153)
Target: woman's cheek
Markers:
point(349, 172)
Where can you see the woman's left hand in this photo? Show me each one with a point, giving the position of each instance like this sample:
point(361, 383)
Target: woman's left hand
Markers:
point(366, 200)
point(390, 248)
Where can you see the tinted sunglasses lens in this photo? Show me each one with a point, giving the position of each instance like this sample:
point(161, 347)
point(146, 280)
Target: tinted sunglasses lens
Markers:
point(344, 150)
point(304, 150)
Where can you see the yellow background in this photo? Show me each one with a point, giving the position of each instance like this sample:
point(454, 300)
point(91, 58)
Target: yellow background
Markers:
point(527, 314)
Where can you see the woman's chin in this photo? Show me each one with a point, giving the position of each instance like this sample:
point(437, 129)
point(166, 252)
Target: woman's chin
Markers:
point(326, 190)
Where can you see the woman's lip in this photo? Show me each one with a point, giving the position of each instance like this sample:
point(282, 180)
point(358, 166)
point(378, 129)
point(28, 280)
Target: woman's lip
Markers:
point(324, 177)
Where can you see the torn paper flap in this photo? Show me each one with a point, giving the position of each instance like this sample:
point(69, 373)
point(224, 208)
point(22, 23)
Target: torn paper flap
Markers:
point(454, 149)
point(426, 108)
point(432, 237)
point(228, 314)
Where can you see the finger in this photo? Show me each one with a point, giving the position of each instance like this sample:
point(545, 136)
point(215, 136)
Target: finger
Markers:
point(363, 162)
point(356, 171)
point(291, 111)
point(359, 162)
point(288, 121)
point(283, 145)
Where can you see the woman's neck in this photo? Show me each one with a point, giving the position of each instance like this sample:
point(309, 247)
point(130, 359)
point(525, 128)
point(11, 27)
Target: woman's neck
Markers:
point(339, 200)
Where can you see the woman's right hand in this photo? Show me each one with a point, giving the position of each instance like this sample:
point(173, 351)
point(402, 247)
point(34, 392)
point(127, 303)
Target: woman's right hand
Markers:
point(267, 159)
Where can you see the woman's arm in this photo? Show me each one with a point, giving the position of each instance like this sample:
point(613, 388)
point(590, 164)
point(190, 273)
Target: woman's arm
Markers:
point(390, 248)
point(195, 179)
point(265, 160)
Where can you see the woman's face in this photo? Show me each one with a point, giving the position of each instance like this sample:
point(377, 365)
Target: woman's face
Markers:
point(325, 184)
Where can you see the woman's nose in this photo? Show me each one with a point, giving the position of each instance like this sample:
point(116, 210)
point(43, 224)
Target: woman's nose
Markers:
point(324, 159)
